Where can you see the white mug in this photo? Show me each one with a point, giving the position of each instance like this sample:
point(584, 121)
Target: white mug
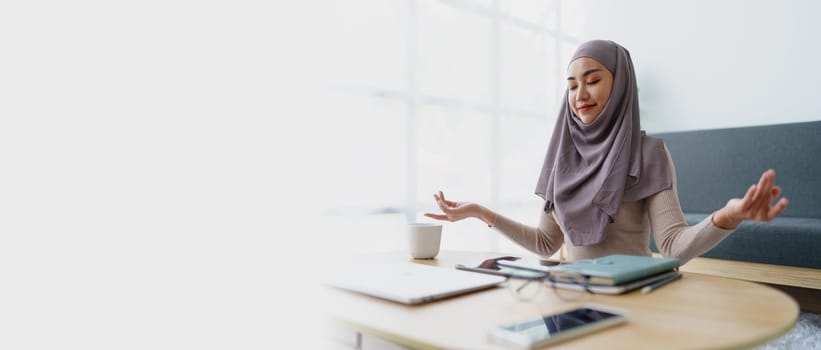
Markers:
point(424, 239)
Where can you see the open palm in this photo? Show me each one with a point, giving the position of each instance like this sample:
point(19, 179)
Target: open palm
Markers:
point(452, 211)
point(757, 202)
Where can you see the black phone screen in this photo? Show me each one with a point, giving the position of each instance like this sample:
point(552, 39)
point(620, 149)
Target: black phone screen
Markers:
point(554, 324)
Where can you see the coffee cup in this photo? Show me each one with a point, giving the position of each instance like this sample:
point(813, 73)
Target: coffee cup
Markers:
point(424, 239)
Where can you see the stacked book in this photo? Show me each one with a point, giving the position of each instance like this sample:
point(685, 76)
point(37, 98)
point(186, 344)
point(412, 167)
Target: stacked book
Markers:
point(612, 274)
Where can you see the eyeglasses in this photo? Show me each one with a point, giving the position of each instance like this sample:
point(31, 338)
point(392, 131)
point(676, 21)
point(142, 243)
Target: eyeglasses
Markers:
point(566, 286)
point(525, 285)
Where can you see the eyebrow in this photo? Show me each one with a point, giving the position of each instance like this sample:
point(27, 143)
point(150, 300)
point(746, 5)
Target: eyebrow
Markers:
point(586, 73)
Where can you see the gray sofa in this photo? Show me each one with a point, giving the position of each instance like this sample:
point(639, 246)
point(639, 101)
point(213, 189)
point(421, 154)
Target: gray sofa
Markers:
point(713, 166)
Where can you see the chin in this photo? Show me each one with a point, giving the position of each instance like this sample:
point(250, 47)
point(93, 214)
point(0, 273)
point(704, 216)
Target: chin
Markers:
point(587, 120)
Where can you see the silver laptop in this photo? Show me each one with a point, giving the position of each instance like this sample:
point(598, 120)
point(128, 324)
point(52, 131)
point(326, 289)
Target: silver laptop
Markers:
point(409, 283)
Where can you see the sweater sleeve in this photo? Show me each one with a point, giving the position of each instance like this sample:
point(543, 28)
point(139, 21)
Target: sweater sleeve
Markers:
point(544, 240)
point(670, 231)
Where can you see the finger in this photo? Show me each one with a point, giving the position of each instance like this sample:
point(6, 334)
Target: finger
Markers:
point(440, 201)
point(764, 185)
point(775, 193)
point(778, 208)
point(760, 187)
point(768, 175)
point(747, 201)
point(443, 207)
point(767, 191)
point(447, 202)
point(437, 216)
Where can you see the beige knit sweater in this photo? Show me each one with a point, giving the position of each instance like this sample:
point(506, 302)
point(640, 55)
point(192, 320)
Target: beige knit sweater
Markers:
point(628, 234)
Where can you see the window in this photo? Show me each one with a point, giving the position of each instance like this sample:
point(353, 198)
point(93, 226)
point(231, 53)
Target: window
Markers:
point(451, 95)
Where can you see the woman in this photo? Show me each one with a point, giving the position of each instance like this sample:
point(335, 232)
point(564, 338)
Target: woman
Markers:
point(607, 185)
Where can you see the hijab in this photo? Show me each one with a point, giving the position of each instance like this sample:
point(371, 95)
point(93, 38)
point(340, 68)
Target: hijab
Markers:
point(589, 170)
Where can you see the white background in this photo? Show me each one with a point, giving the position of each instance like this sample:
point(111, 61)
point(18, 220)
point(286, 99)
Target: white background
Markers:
point(163, 164)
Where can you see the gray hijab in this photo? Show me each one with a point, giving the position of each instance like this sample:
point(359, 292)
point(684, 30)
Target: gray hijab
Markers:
point(589, 170)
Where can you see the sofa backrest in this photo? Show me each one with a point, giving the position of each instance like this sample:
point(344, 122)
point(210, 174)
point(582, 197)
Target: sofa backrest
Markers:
point(713, 166)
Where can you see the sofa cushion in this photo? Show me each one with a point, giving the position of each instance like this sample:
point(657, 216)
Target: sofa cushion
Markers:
point(713, 166)
point(783, 241)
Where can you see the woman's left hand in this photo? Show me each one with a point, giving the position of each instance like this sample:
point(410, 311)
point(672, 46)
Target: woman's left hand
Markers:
point(756, 204)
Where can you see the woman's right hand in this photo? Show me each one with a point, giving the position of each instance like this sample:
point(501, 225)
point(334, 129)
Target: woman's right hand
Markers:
point(454, 211)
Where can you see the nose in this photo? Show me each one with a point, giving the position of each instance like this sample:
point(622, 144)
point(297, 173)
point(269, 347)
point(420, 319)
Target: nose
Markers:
point(581, 93)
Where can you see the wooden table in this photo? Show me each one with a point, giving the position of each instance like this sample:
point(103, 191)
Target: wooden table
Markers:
point(698, 311)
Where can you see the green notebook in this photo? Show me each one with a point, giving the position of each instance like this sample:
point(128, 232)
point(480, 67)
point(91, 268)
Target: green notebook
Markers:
point(619, 269)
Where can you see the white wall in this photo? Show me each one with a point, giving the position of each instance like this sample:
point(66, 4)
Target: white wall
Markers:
point(705, 64)
point(151, 158)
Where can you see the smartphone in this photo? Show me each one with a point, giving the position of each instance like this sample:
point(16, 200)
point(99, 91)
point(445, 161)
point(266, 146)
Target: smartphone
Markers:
point(493, 267)
point(555, 328)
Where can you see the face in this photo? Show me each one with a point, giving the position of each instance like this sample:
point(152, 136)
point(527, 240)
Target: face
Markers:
point(589, 84)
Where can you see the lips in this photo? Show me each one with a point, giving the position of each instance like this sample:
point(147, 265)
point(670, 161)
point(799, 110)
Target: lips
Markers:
point(585, 108)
